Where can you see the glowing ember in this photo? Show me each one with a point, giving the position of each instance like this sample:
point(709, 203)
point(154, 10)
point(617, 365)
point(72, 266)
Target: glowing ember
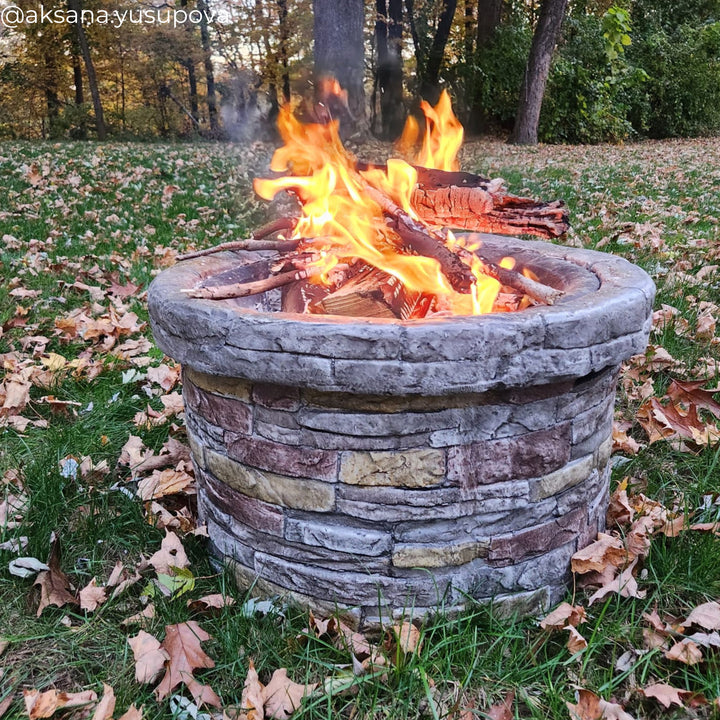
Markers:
point(342, 226)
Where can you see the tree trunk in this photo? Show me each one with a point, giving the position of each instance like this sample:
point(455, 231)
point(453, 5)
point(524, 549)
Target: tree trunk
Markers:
point(429, 86)
point(389, 72)
point(537, 70)
point(211, 97)
point(76, 5)
point(339, 53)
point(489, 13)
point(189, 65)
point(283, 49)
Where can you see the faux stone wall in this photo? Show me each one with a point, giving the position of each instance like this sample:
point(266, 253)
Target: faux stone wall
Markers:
point(381, 505)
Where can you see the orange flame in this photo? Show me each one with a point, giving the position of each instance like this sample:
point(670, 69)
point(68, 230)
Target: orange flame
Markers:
point(340, 222)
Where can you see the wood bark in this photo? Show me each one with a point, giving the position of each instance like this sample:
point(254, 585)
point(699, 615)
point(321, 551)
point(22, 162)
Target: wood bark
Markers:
point(76, 5)
point(389, 70)
point(537, 70)
point(283, 48)
point(211, 95)
point(430, 80)
point(339, 52)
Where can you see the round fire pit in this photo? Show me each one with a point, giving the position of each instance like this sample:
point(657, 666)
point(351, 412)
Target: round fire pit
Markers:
point(380, 466)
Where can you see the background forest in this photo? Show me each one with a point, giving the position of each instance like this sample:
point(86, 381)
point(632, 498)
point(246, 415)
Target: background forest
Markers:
point(637, 68)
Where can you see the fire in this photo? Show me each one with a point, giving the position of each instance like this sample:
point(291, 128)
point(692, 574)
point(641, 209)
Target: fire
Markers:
point(342, 225)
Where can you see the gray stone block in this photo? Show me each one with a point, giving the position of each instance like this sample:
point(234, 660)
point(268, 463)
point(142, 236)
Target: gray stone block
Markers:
point(340, 534)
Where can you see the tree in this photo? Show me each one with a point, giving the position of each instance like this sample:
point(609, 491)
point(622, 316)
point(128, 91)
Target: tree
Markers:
point(537, 70)
point(340, 53)
point(76, 5)
point(389, 68)
point(489, 13)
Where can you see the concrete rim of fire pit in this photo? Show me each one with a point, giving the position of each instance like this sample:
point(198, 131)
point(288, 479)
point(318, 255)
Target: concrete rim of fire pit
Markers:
point(603, 318)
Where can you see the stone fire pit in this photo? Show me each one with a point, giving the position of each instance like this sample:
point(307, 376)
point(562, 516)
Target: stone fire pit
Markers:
point(380, 466)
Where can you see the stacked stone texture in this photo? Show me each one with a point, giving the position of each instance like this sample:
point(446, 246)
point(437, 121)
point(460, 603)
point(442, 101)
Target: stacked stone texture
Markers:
point(382, 467)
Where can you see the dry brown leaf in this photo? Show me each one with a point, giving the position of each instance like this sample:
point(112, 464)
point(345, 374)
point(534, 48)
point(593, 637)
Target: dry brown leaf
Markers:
point(591, 707)
point(619, 511)
point(622, 442)
point(106, 707)
point(624, 584)
point(282, 696)
point(563, 615)
point(165, 482)
point(45, 704)
point(182, 644)
point(501, 711)
point(150, 657)
point(54, 584)
point(596, 557)
point(252, 702)
point(144, 616)
point(705, 616)
point(217, 601)
point(666, 695)
point(165, 376)
point(92, 596)
point(407, 637)
point(576, 642)
point(7, 701)
point(685, 651)
point(170, 555)
point(132, 713)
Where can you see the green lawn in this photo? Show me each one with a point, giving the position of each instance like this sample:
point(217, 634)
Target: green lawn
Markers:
point(82, 224)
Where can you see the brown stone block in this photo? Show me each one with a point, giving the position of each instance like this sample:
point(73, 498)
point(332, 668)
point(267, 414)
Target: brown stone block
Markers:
point(515, 458)
point(276, 397)
point(228, 413)
point(252, 512)
point(297, 461)
point(512, 548)
point(435, 556)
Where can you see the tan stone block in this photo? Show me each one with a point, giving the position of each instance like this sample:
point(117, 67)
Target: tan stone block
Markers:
point(197, 450)
point(433, 556)
point(602, 454)
point(402, 468)
point(289, 492)
point(566, 477)
point(234, 387)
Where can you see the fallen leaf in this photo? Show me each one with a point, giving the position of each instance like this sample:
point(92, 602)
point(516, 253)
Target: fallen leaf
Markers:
point(26, 567)
point(564, 614)
point(666, 695)
point(252, 702)
point(140, 618)
point(54, 584)
point(706, 616)
point(45, 704)
point(685, 651)
point(132, 713)
point(591, 707)
point(606, 551)
point(576, 642)
point(106, 707)
point(92, 596)
point(216, 601)
point(624, 584)
point(170, 555)
point(282, 696)
point(150, 657)
point(503, 710)
point(407, 637)
point(182, 644)
point(165, 482)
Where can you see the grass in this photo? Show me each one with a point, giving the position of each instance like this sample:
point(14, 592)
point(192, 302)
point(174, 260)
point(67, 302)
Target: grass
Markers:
point(93, 213)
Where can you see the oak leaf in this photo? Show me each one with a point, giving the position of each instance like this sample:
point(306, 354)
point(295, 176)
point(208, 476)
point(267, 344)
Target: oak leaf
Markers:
point(182, 644)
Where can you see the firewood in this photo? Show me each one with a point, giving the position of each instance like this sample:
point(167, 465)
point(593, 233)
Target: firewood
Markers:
point(423, 240)
point(511, 278)
point(374, 293)
point(236, 290)
point(252, 244)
